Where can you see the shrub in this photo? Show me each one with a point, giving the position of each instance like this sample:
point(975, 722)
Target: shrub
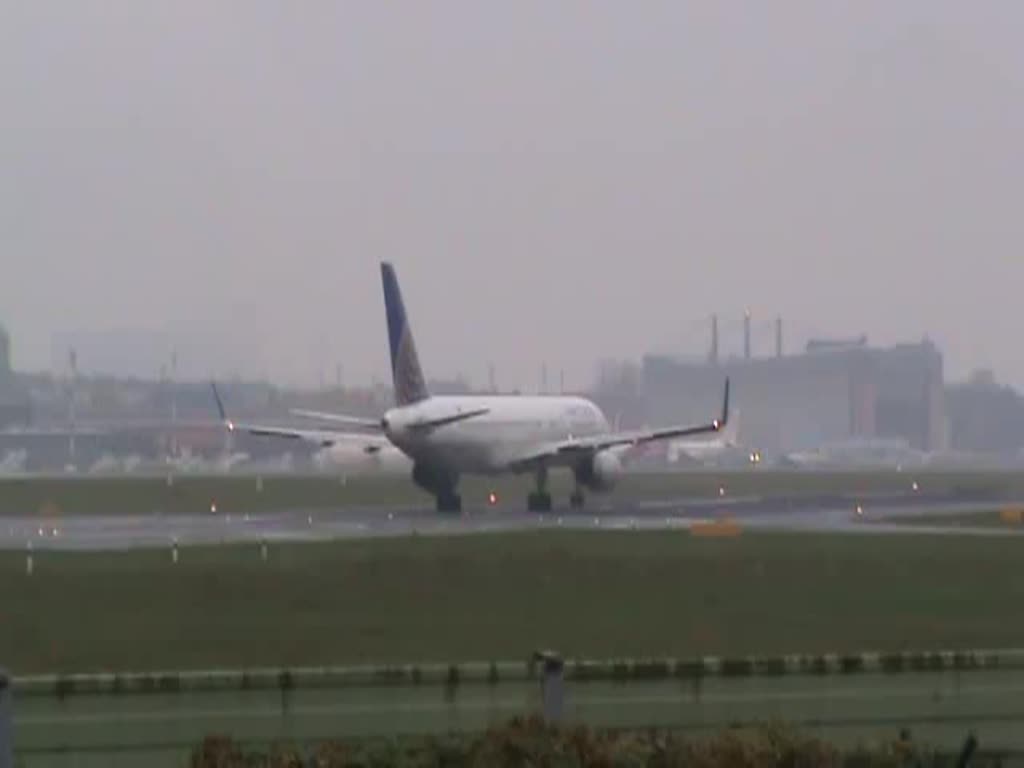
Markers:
point(530, 741)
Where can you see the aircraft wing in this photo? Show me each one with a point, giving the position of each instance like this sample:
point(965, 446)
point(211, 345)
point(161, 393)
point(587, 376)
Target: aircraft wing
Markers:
point(321, 437)
point(574, 446)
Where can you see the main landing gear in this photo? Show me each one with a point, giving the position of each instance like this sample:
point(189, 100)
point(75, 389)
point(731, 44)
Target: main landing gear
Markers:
point(441, 484)
point(540, 500)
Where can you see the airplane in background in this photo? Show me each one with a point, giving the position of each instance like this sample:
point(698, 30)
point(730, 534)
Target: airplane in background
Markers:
point(353, 454)
point(723, 445)
point(13, 462)
point(857, 452)
point(453, 435)
point(344, 450)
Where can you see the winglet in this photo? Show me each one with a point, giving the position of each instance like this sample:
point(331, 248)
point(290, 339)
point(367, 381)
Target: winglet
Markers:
point(725, 403)
point(720, 423)
point(220, 408)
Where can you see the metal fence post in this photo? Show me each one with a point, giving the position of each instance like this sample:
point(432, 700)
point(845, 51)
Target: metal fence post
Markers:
point(6, 727)
point(552, 684)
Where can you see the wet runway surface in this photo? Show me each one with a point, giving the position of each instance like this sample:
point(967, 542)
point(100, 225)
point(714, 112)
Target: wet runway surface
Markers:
point(836, 513)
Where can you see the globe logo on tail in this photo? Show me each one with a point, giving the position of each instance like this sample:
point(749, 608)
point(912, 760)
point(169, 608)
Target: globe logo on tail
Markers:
point(407, 376)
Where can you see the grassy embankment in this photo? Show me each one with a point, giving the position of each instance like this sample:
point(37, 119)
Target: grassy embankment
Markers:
point(501, 596)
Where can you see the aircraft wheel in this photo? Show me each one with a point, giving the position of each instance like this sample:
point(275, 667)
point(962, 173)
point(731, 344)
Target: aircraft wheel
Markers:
point(577, 500)
point(538, 502)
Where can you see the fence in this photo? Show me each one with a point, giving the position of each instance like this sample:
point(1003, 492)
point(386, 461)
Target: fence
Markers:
point(118, 718)
point(6, 756)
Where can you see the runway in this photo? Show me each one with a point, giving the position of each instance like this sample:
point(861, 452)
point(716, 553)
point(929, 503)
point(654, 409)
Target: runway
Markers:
point(838, 513)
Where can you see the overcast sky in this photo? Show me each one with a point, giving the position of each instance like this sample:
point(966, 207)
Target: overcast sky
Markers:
point(554, 181)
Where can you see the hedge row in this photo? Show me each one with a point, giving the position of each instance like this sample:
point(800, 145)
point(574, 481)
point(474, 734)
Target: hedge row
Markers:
point(530, 741)
point(581, 670)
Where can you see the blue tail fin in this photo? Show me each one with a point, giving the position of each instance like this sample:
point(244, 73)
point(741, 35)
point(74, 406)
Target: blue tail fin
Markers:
point(405, 365)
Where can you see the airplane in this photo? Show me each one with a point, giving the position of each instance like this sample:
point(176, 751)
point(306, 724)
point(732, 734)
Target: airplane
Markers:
point(13, 462)
point(351, 453)
point(447, 436)
point(715, 448)
point(345, 450)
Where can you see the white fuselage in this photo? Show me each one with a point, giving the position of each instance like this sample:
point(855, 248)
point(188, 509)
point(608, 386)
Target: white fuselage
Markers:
point(513, 426)
point(354, 457)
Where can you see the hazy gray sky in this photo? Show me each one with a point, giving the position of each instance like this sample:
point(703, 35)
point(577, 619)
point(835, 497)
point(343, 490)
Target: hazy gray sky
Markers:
point(558, 181)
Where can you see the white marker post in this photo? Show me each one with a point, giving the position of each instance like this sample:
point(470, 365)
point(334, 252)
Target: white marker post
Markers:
point(29, 560)
point(263, 550)
point(174, 550)
point(259, 483)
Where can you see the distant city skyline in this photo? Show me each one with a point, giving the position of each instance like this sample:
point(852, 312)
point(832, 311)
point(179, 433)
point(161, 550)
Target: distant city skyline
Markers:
point(152, 355)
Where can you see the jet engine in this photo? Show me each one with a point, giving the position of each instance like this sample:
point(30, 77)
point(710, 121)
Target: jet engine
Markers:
point(601, 472)
point(431, 479)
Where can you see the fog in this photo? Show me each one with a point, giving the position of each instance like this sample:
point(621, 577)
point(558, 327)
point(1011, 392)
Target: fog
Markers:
point(555, 182)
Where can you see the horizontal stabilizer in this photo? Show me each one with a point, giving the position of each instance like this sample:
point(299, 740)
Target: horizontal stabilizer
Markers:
point(359, 422)
point(452, 419)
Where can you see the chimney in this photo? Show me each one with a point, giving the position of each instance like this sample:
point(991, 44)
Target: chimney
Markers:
point(746, 335)
point(778, 336)
point(713, 354)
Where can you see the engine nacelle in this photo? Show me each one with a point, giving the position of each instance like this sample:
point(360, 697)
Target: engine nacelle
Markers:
point(432, 479)
point(601, 472)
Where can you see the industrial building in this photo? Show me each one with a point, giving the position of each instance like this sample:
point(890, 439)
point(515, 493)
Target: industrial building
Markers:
point(14, 401)
point(831, 392)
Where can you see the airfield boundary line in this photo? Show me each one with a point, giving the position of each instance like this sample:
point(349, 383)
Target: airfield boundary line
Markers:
point(493, 673)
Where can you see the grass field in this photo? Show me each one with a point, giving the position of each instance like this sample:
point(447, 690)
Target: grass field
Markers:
point(55, 496)
point(501, 596)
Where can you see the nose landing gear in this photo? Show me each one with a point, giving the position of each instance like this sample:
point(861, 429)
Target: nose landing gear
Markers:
point(448, 501)
point(540, 500)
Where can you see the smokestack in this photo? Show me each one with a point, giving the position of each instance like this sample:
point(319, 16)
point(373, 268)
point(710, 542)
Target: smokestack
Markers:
point(72, 386)
point(746, 335)
point(778, 336)
point(174, 403)
point(492, 381)
point(713, 354)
